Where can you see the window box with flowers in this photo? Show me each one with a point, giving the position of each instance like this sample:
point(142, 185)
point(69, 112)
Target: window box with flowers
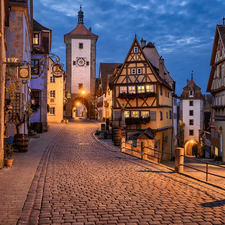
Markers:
point(100, 104)
point(137, 120)
point(137, 95)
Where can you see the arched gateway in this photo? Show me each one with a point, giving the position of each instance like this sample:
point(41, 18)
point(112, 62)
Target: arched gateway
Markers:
point(80, 67)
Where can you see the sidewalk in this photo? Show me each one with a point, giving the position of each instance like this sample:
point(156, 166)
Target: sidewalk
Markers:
point(15, 181)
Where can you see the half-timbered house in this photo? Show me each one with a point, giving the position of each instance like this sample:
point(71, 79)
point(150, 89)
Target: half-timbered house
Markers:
point(139, 88)
point(216, 86)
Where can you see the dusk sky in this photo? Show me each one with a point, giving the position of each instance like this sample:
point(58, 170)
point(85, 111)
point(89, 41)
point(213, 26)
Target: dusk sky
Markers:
point(182, 31)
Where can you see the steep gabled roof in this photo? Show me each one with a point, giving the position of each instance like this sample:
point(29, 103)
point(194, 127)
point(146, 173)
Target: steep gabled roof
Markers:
point(80, 31)
point(158, 78)
point(38, 27)
point(219, 33)
point(191, 86)
point(150, 133)
point(106, 69)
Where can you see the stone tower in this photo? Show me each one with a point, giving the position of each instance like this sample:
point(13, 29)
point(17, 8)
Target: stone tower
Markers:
point(80, 67)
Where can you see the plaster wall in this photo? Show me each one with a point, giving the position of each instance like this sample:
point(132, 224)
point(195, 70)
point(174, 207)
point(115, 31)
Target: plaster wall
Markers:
point(196, 117)
point(80, 74)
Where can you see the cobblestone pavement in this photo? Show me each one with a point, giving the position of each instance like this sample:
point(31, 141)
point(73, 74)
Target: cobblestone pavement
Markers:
point(81, 181)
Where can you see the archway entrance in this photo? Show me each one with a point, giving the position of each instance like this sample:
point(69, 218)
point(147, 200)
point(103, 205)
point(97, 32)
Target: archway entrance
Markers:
point(80, 108)
point(189, 147)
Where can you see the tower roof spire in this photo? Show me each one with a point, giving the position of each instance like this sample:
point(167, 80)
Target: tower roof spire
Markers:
point(192, 75)
point(80, 16)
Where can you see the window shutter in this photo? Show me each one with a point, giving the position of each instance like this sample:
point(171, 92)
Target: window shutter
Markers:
point(152, 115)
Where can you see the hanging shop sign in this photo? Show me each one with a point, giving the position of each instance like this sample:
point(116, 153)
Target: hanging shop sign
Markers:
point(57, 70)
point(23, 72)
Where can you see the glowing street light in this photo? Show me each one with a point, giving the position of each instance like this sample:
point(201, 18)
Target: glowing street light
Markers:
point(83, 92)
point(78, 103)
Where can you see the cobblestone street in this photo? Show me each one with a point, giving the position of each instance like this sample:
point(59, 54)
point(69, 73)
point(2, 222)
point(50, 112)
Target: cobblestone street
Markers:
point(81, 180)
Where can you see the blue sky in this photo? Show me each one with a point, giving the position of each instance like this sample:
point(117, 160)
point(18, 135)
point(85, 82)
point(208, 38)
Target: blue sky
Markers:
point(182, 30)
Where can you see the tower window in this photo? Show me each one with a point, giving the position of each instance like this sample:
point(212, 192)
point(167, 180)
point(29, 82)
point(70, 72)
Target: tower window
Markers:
point(191, 132)
point(191, 122)
point(81, 46)
point(87, 63)
point(191, 93)
point(191, 103)
point(74, 63)
point(80, 86)
point(191, 113)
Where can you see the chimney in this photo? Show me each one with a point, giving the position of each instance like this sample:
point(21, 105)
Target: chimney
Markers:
point(161, 67)
point(90, 29)
point(143, 43)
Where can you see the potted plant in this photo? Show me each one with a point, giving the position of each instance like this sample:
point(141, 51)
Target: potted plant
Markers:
point(8, 154)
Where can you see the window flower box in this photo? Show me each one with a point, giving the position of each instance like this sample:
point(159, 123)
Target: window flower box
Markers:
point(137, 95)
point(218, 107)
point(137, 120)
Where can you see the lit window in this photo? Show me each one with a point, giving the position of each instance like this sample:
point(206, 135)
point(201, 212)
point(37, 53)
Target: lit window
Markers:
point(35, 38)
point(191, 132)
point(126, 114)
point(52, 111)
point(135, 49)
point(135, 114)
point(149, 88)
point(52, 94)
point(123, 89)
point(145, 114)
point(52, 79)
point(131, 90)
point(139, 71)
point(133, 71)
point(141, 89)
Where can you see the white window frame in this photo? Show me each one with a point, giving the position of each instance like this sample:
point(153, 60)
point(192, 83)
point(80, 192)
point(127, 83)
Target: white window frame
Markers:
point(52, 94)
point(135, 114)
point(148, 87)
point(135, 49)
point(52, 111)
point(191, 93)
point(131, 89)
point(123, 89)
point(144, 114)
point(141, 89)
point(52, 79)
point(126, 114)
point(133, 70)
point(139, 70)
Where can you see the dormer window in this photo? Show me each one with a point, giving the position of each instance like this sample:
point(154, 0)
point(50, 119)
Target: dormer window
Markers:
point(36, 39)
point(191, 93)
point(135, 49)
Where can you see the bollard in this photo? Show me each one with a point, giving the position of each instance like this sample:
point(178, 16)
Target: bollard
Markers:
point(123, 144)
point(144, 151)
point(179, 160)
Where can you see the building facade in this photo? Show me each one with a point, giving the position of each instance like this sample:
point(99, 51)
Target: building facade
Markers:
point(39, 73)
point(80, 67)
point(140, 91)
point(216, 86)
point(192, 114)
point(55, 95)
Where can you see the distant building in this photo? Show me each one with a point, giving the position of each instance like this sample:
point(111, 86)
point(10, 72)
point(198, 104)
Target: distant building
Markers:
point(42, 37)
point(191, 113)
point(80, 68)
point(216, 86)
point(55, 96)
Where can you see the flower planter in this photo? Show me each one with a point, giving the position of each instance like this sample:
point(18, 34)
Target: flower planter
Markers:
point(8, 162)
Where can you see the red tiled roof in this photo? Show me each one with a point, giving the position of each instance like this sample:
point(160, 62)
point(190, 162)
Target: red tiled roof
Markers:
point(81, 31)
